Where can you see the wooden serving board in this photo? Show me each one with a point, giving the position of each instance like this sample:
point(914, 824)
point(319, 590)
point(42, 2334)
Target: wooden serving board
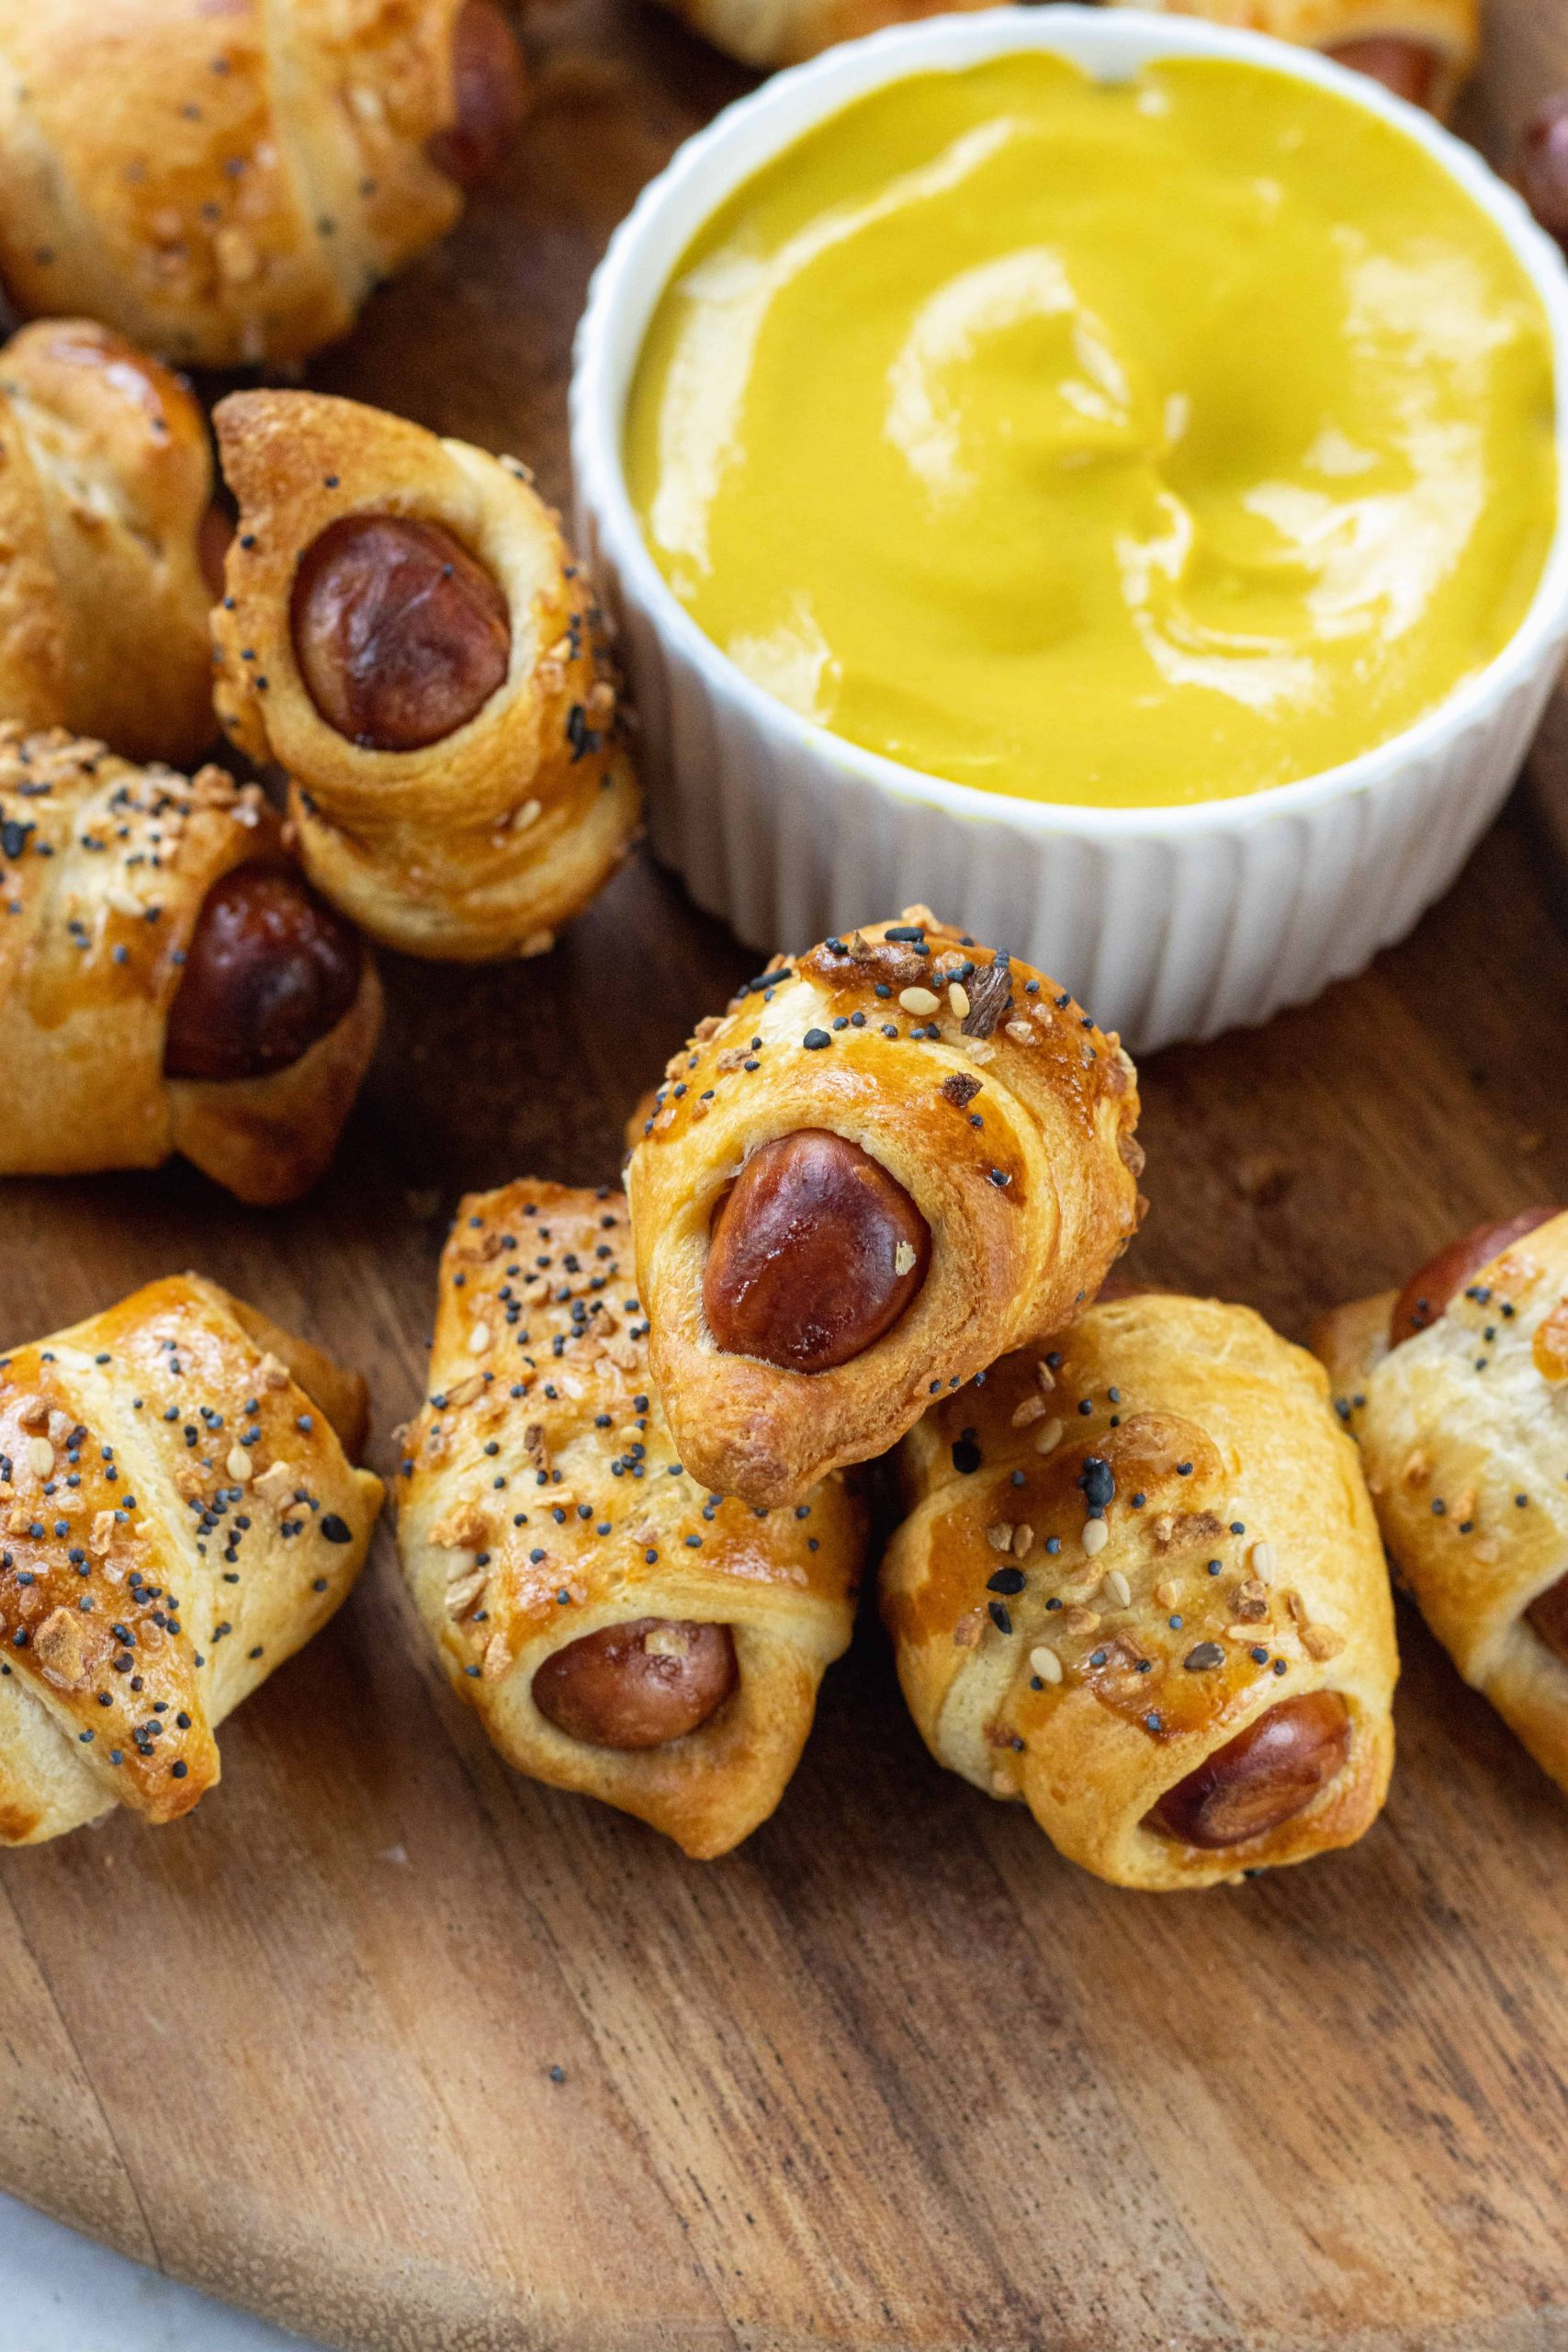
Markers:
point(416, 2056)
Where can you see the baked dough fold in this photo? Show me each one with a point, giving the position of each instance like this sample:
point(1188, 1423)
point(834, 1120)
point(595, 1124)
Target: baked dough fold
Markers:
point(1451, 29)
point(539, 1502)
point(104, 868)
point(178, 1516)
point(766, 33)
point(106, 483)
point(1464, 1430)
point(1008, 1123)
point(481, 844)
point(225, 183)
point(1122, 1549)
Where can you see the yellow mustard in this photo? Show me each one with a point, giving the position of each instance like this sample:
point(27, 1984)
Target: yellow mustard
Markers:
point(1127, 445)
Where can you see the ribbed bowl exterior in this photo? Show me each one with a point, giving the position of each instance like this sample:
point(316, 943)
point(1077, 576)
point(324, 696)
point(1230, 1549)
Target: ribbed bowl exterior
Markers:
point(1171, 924)
point(1166, 937)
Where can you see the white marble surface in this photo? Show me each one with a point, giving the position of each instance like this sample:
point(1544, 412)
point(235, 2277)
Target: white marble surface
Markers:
point(60, 2293)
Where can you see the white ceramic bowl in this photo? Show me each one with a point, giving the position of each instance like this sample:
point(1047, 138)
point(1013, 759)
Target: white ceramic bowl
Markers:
point(1168, 923)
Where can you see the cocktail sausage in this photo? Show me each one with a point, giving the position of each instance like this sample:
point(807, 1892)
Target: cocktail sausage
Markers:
point(401, 635)
point(492, 96)
point(1427, 1293)
point(1408, 68)
point(637, 1685)
point(270, 968)
point(1263, 1777)
point(815, 1253)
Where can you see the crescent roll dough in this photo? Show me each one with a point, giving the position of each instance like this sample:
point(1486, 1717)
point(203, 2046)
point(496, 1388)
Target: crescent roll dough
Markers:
point(224, 180)
point(1238, 1568)
point(178, 1516)
point(481, 844)
point(1451, 29)
point(1464, 1434)
point(766, 33)
point(105, 484)
point(540, 1503)
point(104, 868)
point(1003, 1112)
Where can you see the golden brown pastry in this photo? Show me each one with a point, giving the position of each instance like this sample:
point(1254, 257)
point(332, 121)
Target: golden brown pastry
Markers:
point(1422, 50)
point(618, 1630)
point(106, 526)
point(767, 33)
point(178, 1516)
point(1457, 1388)
point(226, 180)
point(168, 980)
point(890, 1160)
point(405, 633)
point(1140, 1587)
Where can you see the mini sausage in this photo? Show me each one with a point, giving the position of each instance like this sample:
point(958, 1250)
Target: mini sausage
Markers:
point(491, 93)
point(815, 1253)
point(1262, 1777)
point(217, 529)
point(1427, 1293)
point(1543, 167)
point(1408, 68)
point(402, 637)
point(637, 1685)
point(1549, 1617)
point(270, 968)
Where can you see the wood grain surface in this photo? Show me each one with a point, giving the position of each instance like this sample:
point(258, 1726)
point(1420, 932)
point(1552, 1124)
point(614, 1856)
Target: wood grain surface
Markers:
point(416, 2056)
